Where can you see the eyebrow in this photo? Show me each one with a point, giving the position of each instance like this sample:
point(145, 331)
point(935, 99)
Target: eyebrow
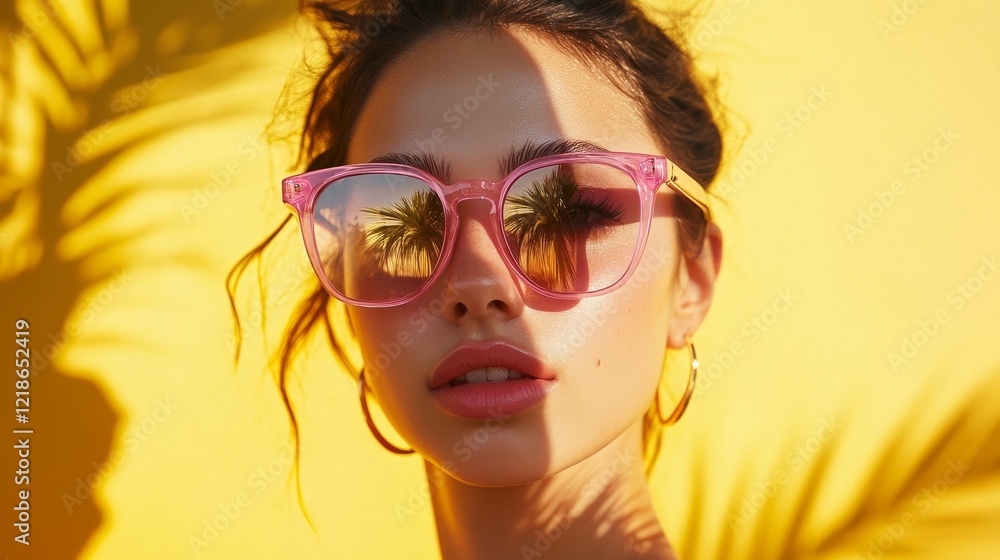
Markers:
point(436, 166)
point(530, 150)
point(508, 162)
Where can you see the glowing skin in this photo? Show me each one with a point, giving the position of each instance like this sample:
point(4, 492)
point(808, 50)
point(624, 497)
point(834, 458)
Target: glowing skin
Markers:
point(573, 463)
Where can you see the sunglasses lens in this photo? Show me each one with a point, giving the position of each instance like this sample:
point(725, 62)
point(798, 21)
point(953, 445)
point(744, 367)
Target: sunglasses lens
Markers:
point(573, 228)
point(379, 236)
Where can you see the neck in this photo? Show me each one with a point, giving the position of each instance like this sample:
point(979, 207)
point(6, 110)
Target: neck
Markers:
point(598, 508)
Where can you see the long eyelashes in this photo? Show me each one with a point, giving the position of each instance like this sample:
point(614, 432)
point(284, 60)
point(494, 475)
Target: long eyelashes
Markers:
point(547, 225)
point(599, 206)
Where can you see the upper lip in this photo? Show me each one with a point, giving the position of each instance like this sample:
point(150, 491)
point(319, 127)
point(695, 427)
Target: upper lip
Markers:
point(495, 353)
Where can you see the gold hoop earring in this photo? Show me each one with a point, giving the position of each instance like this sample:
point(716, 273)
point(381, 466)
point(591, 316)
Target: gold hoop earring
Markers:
point(371, 423)
point(688, 391)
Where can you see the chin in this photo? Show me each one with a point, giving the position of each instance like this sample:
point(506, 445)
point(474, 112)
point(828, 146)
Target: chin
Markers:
point(499, 466)
point(498, 475)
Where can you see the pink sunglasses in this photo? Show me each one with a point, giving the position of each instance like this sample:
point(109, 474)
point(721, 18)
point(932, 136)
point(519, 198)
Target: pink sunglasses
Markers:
point(573, 225)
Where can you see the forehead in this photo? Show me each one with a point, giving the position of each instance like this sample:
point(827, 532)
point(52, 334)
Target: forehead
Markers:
point(469, 97)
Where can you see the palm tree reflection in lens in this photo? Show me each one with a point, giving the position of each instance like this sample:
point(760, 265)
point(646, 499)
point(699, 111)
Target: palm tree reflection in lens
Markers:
point(546, 224)
point(548, 221)
point(409, 237)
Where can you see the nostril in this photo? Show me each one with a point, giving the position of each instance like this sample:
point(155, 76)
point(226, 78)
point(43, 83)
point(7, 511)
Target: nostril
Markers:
point(460, 309)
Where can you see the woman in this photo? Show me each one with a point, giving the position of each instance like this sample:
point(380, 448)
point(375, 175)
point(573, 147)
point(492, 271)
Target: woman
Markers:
point(507, 197)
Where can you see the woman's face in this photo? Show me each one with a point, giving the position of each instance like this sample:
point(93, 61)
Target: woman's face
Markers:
point(468, 99)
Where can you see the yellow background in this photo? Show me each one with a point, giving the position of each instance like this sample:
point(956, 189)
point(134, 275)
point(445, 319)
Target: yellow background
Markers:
point(135, 174)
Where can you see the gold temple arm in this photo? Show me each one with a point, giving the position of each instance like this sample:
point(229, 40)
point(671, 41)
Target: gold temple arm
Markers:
point(683, 183)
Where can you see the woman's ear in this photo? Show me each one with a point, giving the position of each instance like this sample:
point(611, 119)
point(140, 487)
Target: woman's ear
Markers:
point(695, 287)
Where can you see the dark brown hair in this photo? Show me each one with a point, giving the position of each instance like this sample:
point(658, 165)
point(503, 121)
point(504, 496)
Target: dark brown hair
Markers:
point(363, 37)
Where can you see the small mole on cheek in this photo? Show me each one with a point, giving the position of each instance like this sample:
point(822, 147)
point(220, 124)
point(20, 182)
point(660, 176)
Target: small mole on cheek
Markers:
point(598, 362)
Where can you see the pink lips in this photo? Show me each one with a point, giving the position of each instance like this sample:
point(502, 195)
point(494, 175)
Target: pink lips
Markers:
point(489, 398)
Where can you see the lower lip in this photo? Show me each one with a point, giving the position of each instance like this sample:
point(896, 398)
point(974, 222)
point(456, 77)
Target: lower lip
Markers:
point(491, 399)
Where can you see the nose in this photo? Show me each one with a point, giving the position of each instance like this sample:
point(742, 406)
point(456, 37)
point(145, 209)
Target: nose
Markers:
point(478, 282)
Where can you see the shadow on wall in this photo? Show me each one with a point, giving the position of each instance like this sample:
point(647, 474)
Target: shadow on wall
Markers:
point(72, 90)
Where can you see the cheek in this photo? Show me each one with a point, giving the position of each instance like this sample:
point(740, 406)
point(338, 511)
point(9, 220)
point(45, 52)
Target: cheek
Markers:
point(623, 333)
point(638, 314)
point(373, 330)
point(633, 315)
point(398, 356)
point(610, 350)
point(388, 339)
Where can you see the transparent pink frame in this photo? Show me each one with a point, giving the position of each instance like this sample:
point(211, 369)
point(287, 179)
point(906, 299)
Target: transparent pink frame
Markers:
point(649, 172)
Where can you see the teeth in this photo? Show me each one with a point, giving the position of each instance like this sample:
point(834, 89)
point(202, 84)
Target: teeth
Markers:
point(494, 374)
point(476, 376)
